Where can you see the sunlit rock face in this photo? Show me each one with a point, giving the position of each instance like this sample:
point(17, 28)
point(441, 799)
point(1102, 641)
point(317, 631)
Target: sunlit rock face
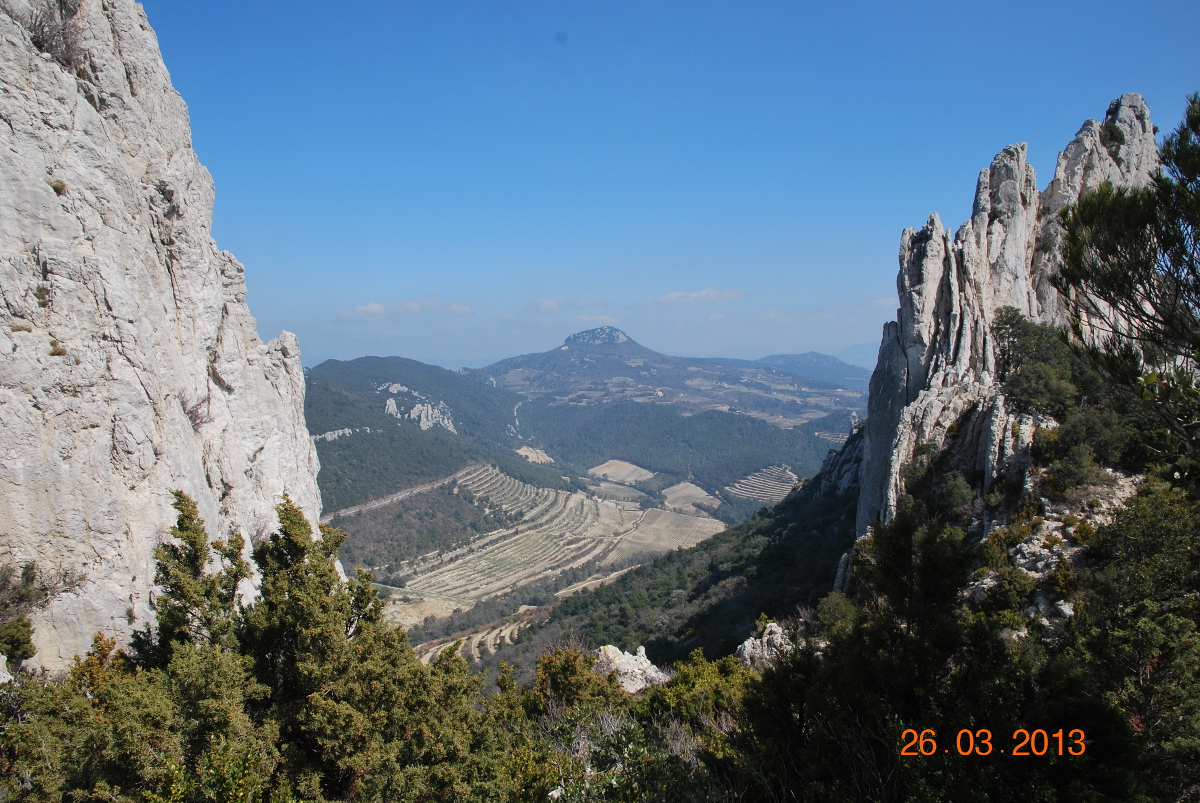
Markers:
point(937, 361)
point(129, 363)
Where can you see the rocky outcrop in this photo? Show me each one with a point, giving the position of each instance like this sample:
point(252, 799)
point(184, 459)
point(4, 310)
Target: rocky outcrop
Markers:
point(937, 364)
point(767, 650)
point(129, 362)
point(428, 416)
point(634, 672)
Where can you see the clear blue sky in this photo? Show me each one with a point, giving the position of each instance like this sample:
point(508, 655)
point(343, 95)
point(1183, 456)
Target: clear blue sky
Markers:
point(458, 182)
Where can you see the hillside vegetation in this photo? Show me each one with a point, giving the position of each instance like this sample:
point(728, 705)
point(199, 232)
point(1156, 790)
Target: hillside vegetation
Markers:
point(715, 449)
point(382, 452)
point(368, 452)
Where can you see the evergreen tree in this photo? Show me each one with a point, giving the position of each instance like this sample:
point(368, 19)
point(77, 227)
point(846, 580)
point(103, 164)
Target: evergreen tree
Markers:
point(194, 605)
point(1131, 273)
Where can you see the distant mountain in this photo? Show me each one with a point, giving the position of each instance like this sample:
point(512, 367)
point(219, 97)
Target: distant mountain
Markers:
point(823, 367)
point(604, 365)
point(864, 355)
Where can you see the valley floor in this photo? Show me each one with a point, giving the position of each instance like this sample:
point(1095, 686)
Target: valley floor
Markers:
point(554, 532)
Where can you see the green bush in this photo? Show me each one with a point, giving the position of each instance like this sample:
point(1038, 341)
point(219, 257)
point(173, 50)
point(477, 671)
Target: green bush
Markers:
point(1061, 582)
point(1012, 591)
point(1039, 388)
point(16, 639)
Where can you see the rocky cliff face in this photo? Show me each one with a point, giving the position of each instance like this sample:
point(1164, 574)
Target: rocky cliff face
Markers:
point(129, 362)
point(936, 362)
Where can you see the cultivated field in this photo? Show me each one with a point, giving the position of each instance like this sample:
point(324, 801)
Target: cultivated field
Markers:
point(620, 471)
point(689, 499)
point(661, 531)
point(534, 455)
point(769, 485)
point(557, 531)
point(487, 639)
point(617, 492)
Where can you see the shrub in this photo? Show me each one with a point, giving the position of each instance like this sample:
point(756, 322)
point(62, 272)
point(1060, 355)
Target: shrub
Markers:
point(1112, 138)
point(52, 29)
point(837, 613)
point(953, 494)
point(1061, 582)
point(1038, 388)
point(56, 349)
point(1083, 532)
point(993, 554)
point(16, 639)
point(1077, 467)
point(1012, 590)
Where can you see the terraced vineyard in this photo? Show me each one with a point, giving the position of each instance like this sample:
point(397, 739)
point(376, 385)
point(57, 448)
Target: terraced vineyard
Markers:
point(479, 641)
point(689, 499)
point(769, 485)
point(556, 531)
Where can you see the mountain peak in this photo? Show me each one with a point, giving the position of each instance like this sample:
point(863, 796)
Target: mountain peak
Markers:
point(601, 336)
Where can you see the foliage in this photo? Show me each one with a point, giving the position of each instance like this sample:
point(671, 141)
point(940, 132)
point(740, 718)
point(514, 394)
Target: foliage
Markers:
point(439, 520)
point(904, 649)
point(195, 606)
point(713, 448)
point(575, 735)
point(1100, 424)
point(304, 694)
point(1138, 627)
point(20, 594)
point(1132, 274)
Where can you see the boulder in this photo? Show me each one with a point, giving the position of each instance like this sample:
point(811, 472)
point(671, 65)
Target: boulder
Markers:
point(767, 650)
point(634, 672)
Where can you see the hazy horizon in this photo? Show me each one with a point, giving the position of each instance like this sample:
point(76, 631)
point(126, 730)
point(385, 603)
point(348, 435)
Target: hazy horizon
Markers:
point(847, 355)
point(457, 182)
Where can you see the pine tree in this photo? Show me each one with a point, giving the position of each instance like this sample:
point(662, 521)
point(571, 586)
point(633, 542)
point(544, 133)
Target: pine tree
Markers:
point(1131, 273)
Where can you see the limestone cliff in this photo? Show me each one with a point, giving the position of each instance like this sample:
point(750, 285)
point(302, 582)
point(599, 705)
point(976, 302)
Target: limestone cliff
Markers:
point(936, 361)
point(129, 362)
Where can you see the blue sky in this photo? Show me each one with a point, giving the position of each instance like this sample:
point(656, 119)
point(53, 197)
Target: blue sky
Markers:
point(458, 182)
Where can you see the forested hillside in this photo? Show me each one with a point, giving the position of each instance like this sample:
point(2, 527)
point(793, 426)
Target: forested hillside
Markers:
point(713, 448)
point(368, 452)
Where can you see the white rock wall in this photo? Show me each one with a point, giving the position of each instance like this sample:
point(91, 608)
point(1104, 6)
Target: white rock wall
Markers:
point(160, 380)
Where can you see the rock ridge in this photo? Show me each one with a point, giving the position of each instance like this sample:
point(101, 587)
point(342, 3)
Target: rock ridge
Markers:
point(129, 362)
point(937, 361)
